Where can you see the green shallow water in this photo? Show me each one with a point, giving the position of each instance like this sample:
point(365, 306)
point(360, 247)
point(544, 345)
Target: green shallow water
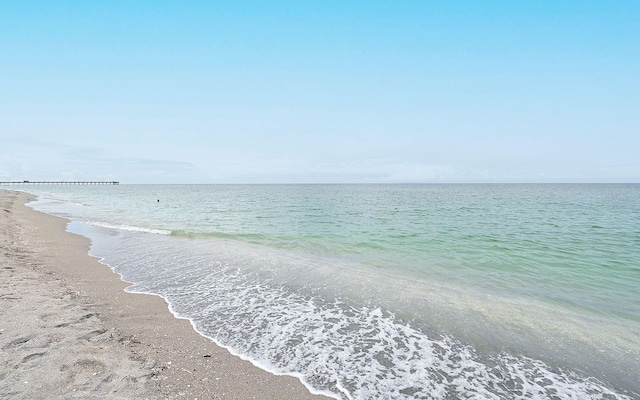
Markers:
point(572, 244)
point(550, 271)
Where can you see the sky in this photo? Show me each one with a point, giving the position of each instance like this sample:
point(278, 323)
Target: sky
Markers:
point(320, 92)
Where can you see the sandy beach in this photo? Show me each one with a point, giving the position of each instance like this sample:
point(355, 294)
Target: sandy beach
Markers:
point(69, 330)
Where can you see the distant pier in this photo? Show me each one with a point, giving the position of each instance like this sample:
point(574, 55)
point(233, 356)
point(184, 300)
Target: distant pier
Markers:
point(60, 183)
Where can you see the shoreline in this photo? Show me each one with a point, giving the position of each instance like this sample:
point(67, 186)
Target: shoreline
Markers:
point(70, 330)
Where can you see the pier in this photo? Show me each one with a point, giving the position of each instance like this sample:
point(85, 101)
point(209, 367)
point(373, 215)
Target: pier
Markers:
point(60, 183)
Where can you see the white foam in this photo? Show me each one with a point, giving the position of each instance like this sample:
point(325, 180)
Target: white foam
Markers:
point(130, 228)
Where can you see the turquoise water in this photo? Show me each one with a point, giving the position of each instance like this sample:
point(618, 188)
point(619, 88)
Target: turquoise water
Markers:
point(390, 291)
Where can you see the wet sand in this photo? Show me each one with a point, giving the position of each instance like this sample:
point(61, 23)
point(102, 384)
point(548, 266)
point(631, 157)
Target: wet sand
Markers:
point(69, 330)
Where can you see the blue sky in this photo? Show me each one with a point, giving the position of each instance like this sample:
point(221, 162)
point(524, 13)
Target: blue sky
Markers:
point(331, 91)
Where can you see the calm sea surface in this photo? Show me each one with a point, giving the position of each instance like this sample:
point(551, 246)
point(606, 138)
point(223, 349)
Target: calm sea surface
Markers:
point(390, 291)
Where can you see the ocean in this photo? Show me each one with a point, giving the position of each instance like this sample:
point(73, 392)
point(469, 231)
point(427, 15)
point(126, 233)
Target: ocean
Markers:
point(456, 291)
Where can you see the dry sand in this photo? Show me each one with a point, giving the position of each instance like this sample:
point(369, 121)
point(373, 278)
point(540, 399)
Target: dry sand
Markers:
point(68, 329)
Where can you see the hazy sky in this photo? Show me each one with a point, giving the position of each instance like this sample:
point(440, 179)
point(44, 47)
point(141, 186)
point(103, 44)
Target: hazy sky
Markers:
point(323, 91)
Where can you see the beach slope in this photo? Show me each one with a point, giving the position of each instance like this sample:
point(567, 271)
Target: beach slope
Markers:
point(69, 330)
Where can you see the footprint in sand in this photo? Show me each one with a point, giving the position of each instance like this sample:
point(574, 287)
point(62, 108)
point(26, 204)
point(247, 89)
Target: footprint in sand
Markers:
point(92, 334)
point(17, 342)
point(32, 357)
